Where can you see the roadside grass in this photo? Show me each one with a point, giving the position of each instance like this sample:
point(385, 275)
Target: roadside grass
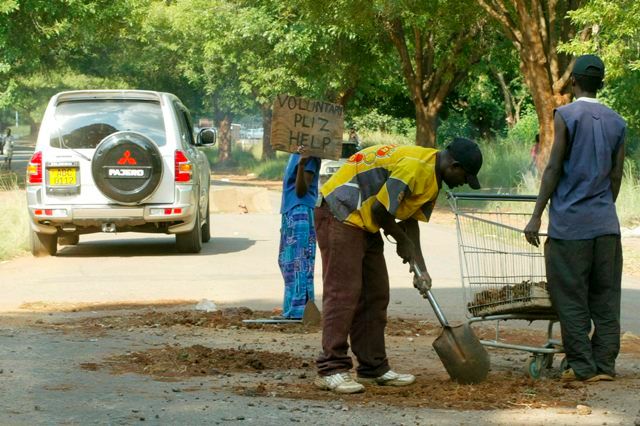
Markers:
point(628, 202)
point(370, 138)
point(504, 165)
point(247, 161)
point(14, 221)
point(506, 169)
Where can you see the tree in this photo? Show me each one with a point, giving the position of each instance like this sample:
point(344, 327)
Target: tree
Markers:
point(443, 44)
point(616, 36)
point(436, 44)
point(245, 53)
point(536, 27)
point(69, 45)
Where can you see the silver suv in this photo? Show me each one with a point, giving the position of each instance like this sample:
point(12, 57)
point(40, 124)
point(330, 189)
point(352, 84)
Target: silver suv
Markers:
point(117, 161)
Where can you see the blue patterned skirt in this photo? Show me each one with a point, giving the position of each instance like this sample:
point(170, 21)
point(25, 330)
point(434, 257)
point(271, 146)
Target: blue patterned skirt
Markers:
point(296, 259)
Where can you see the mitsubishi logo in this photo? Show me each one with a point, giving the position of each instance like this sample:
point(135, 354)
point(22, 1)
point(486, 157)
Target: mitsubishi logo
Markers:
point(127, 158)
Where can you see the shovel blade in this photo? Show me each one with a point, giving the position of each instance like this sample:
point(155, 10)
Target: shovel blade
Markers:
point(462, 354)
point(311, 315)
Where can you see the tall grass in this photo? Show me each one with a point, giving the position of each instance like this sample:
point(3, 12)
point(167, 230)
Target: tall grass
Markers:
point(272, 169)
point(506, 168)
point(370, 138)
point(503, 165)
point(628, 202)
point(14, 220)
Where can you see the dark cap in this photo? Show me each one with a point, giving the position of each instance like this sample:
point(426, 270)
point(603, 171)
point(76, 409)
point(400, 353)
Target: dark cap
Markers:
point(589, 65)
point(467, 153)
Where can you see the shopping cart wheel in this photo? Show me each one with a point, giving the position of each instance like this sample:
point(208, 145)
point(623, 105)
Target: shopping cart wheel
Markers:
point(534, 366)
point(547, 360)
point(564, 364)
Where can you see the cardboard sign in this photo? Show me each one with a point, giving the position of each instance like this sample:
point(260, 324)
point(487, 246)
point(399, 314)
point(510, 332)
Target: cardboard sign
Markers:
point(316, 124)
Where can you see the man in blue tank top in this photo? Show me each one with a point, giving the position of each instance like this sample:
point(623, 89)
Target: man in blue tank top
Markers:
point(583, 254)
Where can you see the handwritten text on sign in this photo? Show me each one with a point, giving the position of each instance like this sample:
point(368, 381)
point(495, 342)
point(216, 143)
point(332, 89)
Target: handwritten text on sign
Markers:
point(314, 124)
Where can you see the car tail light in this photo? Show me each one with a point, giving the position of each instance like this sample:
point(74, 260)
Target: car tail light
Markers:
point(166, 211)
point(183, 167)
point(50, 212)
point(34, 169)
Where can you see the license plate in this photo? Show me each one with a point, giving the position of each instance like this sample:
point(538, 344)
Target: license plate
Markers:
point(62, 176)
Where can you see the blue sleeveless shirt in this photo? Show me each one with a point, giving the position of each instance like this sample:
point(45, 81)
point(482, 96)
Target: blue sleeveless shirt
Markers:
point(582, 205)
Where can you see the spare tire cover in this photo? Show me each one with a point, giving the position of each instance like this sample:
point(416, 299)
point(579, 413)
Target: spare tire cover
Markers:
point(127, 167)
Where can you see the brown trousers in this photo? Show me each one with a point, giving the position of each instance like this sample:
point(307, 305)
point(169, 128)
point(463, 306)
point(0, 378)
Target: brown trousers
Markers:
point(355, 297)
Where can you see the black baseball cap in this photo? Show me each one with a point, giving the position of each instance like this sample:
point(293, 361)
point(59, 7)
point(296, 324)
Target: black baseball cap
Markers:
point(467, 153)
point(589, 65)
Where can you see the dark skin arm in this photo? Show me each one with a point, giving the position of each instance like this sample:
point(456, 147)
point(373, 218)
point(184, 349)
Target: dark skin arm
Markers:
point(303, 177)
point(407, 236)
point(550, 178)
point(616, 171)
point(406, 247)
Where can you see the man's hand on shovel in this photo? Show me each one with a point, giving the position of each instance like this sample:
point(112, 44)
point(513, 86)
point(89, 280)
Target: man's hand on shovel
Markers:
point(421, 279)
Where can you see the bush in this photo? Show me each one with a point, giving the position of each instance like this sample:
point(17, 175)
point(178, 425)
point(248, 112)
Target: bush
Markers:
point(456, 125)
point(525, 130)
point(374, 121)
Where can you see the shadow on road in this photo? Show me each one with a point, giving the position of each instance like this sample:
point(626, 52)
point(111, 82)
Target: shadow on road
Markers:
point(151, 247)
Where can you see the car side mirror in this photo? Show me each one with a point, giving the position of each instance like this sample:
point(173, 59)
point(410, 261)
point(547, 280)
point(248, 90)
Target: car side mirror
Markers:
point(207, 136)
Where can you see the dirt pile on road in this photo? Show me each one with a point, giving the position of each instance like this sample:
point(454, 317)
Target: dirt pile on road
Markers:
point(499, 391)
point(224, 319)
point(255, 363)
point(265, 369)
point(221, 319)
point(172, 362)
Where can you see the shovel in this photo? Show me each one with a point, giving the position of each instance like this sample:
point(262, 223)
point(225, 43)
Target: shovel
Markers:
point(462, 354)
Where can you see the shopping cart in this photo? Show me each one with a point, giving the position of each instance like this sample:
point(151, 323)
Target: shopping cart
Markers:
point(503, 276)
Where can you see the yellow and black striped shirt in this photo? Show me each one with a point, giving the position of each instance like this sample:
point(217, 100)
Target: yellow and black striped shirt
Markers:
point(402, 178)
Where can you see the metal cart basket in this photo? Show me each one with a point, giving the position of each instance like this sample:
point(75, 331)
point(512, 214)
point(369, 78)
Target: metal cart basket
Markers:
point(503, 276)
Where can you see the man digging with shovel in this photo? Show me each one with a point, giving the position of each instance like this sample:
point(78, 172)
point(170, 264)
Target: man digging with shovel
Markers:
point(374, 188)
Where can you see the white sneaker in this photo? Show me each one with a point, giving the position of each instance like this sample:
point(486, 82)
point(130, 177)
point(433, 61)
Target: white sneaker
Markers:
point(390, 378)
point(340, 383)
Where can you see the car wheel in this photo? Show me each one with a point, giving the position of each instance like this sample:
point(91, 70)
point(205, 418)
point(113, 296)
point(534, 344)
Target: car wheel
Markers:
point(191, 242)
point(206, 229)
point(43, 244)
point(69, 240)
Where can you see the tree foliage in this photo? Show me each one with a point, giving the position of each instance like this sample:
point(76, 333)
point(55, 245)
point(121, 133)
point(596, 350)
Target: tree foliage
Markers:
point(616, 38)
point(536, 28)
point(471, 67)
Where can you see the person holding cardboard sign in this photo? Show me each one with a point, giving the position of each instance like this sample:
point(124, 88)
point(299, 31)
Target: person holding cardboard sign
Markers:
point(297, 233)
point(377, 186)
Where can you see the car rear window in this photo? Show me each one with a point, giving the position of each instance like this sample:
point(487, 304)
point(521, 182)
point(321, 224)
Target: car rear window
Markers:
point(83, 124)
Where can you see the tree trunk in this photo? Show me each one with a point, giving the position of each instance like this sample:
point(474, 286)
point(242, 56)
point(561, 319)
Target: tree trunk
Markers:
point(224, 140)
point(536, 28)
point(430, 81)
point(344, 97)
point(511, 110)
point(267, 151)
point(545, 101)
point(426, 125)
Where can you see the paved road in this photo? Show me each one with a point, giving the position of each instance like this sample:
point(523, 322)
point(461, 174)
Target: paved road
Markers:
point(238, 266)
